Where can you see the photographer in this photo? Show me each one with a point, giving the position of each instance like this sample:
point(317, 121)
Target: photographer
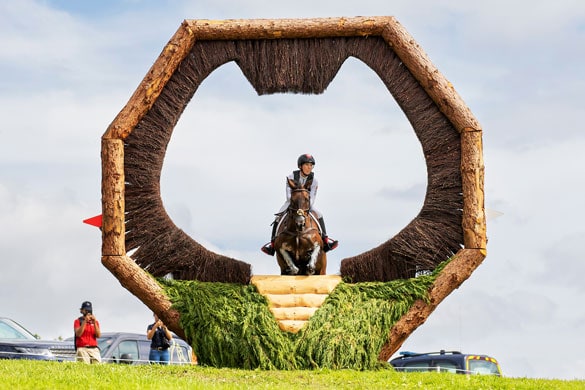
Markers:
point(161, 341)
point(87, 331)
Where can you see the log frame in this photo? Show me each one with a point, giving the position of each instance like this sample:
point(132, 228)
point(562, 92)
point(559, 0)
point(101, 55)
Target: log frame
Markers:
point(453, 275)
point(145, 287)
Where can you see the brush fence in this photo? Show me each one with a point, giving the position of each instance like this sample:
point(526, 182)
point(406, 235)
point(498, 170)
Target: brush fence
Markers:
point(294, 299)
point(299, 56)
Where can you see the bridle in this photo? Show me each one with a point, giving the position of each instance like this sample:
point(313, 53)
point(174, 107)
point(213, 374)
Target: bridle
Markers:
point(299, 214)
point(292, 207)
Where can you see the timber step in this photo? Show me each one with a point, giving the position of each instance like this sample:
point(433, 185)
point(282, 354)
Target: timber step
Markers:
point(294, 299)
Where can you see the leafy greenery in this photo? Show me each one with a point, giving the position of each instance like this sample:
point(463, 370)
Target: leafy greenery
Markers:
point(231, 326)
point(28, 374)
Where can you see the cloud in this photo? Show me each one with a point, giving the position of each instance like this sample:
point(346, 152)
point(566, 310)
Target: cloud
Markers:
point(560, 268)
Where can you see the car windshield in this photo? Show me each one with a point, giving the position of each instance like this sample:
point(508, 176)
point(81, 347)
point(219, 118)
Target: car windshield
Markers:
point(483, 367)
point(11, 330)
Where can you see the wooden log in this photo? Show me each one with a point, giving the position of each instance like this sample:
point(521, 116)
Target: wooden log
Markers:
point(293, 313)
point(292, 326)
point(296, 300)
point(152, 84)
point(455, 273)
point(276, 284)
point(144, 287)
point(435, 84)
point(472, 176)
point(286, 28)
point(113, 229)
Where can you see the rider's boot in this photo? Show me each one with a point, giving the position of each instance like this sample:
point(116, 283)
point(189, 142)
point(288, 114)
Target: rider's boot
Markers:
point(328, 243)
point(269, 247)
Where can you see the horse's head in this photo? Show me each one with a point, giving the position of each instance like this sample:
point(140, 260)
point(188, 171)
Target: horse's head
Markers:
point(300, 203)
point(300, 197)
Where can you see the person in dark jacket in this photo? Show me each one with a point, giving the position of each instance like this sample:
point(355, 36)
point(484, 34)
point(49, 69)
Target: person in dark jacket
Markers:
point(160, 337)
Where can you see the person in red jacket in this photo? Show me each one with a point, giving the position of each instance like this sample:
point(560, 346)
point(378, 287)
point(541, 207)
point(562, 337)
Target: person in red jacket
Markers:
point(87, 331)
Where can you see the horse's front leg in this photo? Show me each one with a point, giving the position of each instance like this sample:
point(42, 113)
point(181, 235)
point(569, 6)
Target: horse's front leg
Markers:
point(313, 259)
point(292, 268)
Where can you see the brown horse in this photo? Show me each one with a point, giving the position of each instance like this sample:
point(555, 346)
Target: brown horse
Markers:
point(298, 244)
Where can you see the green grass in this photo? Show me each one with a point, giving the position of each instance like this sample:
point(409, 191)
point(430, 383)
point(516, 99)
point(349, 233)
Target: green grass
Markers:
point(24, 374)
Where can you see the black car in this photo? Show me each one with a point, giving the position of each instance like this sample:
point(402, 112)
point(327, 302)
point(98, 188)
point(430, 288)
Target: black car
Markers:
point(16, 342)
point(447, 361)
point(134, 348)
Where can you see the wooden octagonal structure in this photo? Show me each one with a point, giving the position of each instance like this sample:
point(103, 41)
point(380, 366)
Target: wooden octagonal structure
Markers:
point(450, 225)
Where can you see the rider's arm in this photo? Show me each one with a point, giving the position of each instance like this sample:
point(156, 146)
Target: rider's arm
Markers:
point(288, 190)
point(314, 188)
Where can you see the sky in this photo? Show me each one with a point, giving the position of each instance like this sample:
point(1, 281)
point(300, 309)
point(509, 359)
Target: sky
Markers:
point(68, 67)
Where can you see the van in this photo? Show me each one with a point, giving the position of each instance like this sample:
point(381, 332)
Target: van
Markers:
point(447, 361)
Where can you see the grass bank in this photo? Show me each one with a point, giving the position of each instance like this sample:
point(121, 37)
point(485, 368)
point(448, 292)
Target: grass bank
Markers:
point(26, 374)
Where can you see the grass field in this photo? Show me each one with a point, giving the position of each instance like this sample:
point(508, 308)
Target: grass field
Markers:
point(25, 374)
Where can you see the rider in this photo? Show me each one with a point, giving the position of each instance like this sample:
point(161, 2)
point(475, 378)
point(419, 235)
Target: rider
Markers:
point(305, 162)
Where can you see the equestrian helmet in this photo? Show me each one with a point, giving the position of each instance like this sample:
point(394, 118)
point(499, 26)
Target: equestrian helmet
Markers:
point(305, 158)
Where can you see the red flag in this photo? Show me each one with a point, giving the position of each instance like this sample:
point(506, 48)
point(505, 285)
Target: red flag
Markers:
point(94, 221)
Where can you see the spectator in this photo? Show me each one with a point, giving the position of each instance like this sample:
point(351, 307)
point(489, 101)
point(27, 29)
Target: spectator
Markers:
point(87, 331)
point(161, 341)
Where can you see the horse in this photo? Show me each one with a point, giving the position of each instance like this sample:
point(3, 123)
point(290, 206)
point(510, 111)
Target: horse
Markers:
point(298, 243)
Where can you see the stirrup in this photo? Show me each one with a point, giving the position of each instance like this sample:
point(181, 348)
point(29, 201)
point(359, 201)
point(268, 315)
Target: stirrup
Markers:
point(329, 244)
point(268, 249)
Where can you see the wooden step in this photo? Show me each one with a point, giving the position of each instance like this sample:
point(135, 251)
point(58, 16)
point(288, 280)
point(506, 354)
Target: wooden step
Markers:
point(294, 299)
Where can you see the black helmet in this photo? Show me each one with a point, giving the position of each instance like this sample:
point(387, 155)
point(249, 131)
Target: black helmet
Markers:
point(305, 158)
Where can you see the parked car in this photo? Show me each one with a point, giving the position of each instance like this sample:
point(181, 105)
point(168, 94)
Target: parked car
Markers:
point(134, 348)
point(16, 342)
point(447, 361)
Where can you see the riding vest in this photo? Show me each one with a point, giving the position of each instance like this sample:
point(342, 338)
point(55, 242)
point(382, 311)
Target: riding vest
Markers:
point(297, 177)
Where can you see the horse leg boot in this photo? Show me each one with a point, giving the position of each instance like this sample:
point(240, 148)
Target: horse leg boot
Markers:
point(269, 247)
point(328, 243)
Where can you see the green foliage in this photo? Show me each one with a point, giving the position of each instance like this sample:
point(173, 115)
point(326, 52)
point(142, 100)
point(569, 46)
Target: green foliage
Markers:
point(353, 324)
point(230, 325)
point(30, 374)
